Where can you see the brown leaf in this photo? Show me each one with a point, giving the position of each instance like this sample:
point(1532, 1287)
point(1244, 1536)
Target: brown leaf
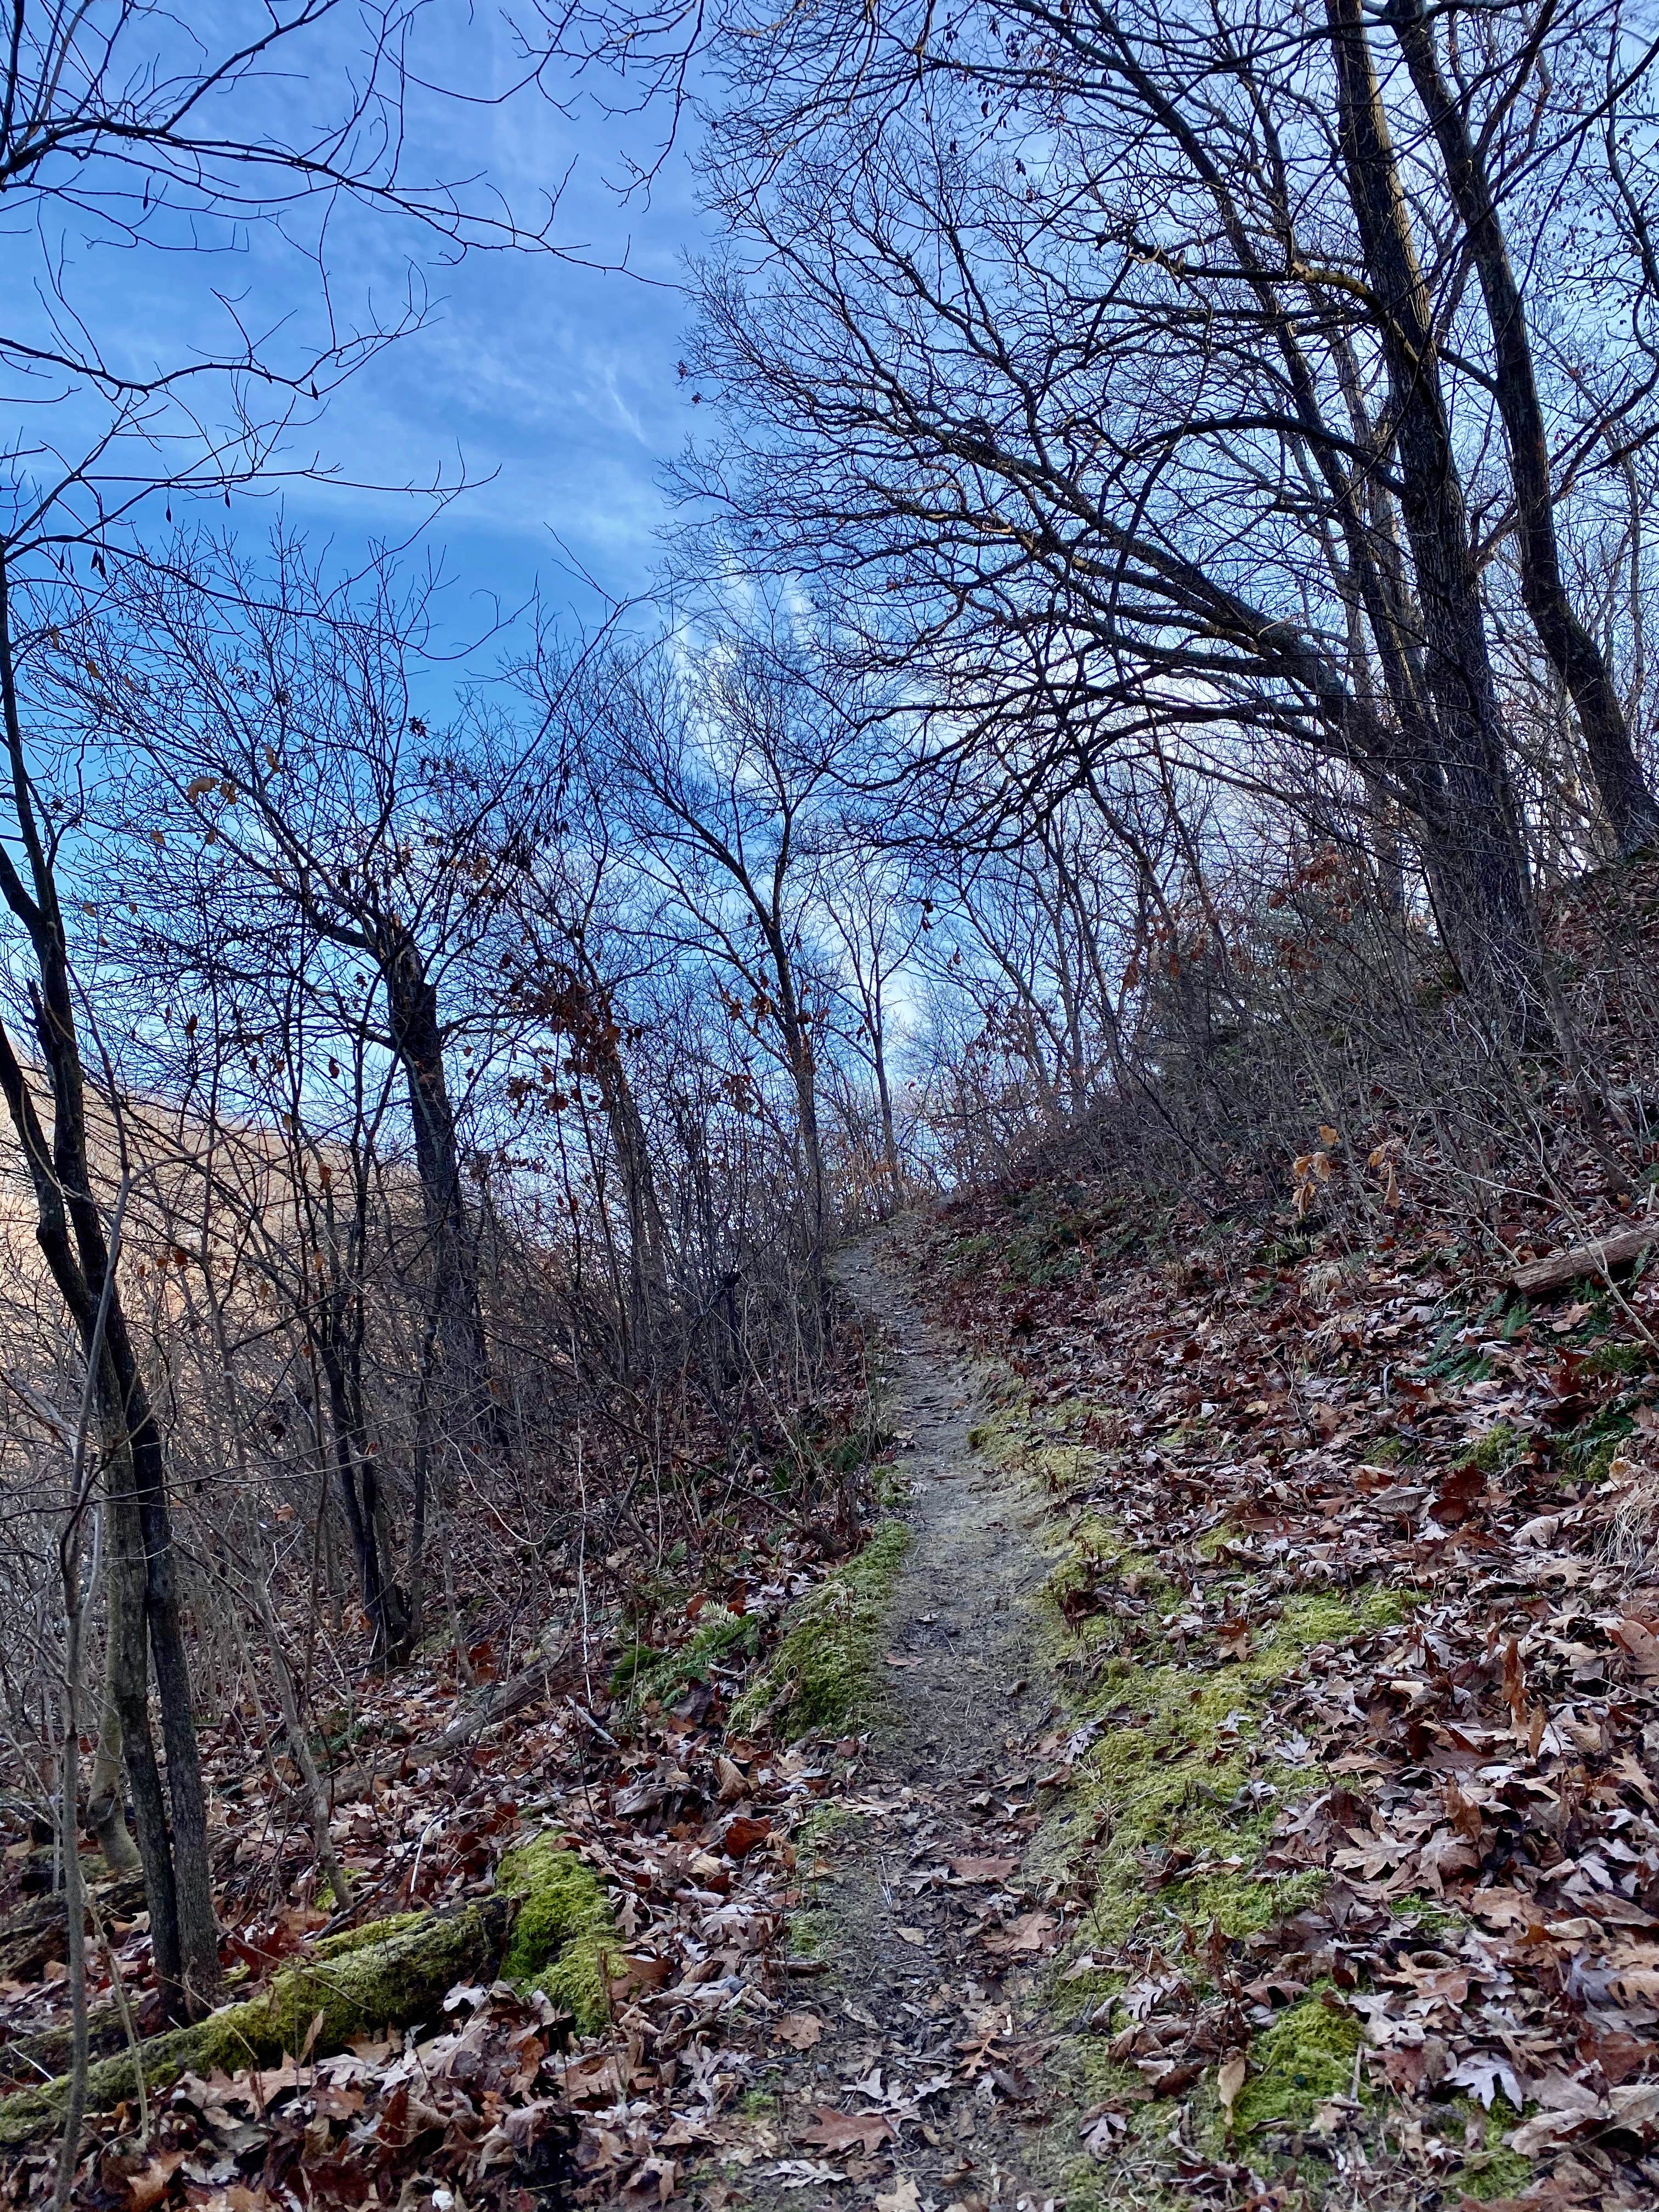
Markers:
point(146, 2188)
point(1230, 2079)
point(1031, 1933)
point(837, 2131)
point(1641, 1644)
point(734, 1782)
point(800, 2030)
point(744, 1835)
point(976, 1870)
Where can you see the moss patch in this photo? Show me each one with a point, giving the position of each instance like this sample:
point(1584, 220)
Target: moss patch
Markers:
point(1182, 1805)
point(811, 1934)
point(563, 1933)
point(1495, 2171)
point(1497, 1448)
point(1304, 2060)
point(821, 1675)
point(721, 1637)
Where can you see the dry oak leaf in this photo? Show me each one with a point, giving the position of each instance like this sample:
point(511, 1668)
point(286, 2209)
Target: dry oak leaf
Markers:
point(838, 2131)
point(744, 1835)
point(985, 1869)
point(734, 1782)
point(800, 2030)
point(1030, 1933)
point(903, 2197)
point(1641, 1644)
point(146, 2188)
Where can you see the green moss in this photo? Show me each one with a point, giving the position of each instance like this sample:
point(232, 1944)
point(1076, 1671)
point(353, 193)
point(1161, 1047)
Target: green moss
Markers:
point(819, 1826)
point(1619, 1360)
point(1495, 2170)
point(646, 1673)
point(1589, 1449)
point(821, 1674)
point(1497, 1448)
point(1305, 2058)
point(810, 1934)
point(1175, 1775)
point(371, 1932)
point(563, 1932)
point(1002, 1434)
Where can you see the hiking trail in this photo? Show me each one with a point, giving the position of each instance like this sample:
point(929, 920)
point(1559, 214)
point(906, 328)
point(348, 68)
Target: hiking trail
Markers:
point(929, 2009)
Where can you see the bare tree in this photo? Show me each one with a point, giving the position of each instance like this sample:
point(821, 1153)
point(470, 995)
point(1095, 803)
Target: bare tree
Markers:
point(1095, 375)
point(722, 778)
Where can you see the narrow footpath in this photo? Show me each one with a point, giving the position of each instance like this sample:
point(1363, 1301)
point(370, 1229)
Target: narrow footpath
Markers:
point(921, 2083)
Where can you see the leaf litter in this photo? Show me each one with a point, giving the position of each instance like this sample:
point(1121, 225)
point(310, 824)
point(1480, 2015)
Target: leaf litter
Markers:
point(1455, 1789)
point(1462, 1803)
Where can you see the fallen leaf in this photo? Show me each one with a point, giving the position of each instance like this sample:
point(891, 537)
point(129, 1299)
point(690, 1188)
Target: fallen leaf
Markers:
point(146, 2188)
point(800, 2030)
point(1030, 1933)
point(903, 2197)
point(744, 1835)
point(1230, 2079)
point(973, 1870)
point(837, 2131)
point(734, 1782)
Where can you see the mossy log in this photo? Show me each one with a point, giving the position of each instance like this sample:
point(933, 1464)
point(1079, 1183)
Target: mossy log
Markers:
point(550, 1909)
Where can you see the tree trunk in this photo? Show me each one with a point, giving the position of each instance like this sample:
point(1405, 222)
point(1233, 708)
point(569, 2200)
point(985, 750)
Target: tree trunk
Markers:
point(646, 1239)
point(1631, 811)
point(1472, 830)
point(417, 1040)
point(359, 1490)
point(105, 1817)
point(889, 1132)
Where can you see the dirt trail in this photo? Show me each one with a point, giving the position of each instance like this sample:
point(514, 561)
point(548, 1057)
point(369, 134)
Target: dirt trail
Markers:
point(920, 2016)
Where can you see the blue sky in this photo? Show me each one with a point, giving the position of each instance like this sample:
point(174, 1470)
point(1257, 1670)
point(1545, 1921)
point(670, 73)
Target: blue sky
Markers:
point(552, 384)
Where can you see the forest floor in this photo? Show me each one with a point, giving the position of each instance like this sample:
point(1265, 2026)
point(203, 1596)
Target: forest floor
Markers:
point(1231, 1778)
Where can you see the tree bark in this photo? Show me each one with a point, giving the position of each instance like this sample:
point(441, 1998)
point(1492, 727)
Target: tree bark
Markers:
point(105, 1817)
point(69, 1230)
point(359, 1489)
point(1631, 810)
point(1472, 838)
point(417, 1040)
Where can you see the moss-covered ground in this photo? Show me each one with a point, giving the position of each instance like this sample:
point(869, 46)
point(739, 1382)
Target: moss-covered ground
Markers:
point(648, 1674)
point(823, 1672)
point(1167, 1825)
point(563, 1934)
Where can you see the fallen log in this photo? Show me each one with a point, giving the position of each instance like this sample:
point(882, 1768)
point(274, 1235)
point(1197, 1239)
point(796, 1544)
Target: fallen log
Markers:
point(549, 1922)
point(499, 1703)
point(391, 1973)
point(36, 1933)
point(1602, 1256)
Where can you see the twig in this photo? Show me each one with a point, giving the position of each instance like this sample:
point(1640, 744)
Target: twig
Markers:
point(128, 2029)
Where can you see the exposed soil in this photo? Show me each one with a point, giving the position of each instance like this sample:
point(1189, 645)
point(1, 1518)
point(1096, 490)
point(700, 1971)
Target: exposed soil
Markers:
point(928, 2012)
